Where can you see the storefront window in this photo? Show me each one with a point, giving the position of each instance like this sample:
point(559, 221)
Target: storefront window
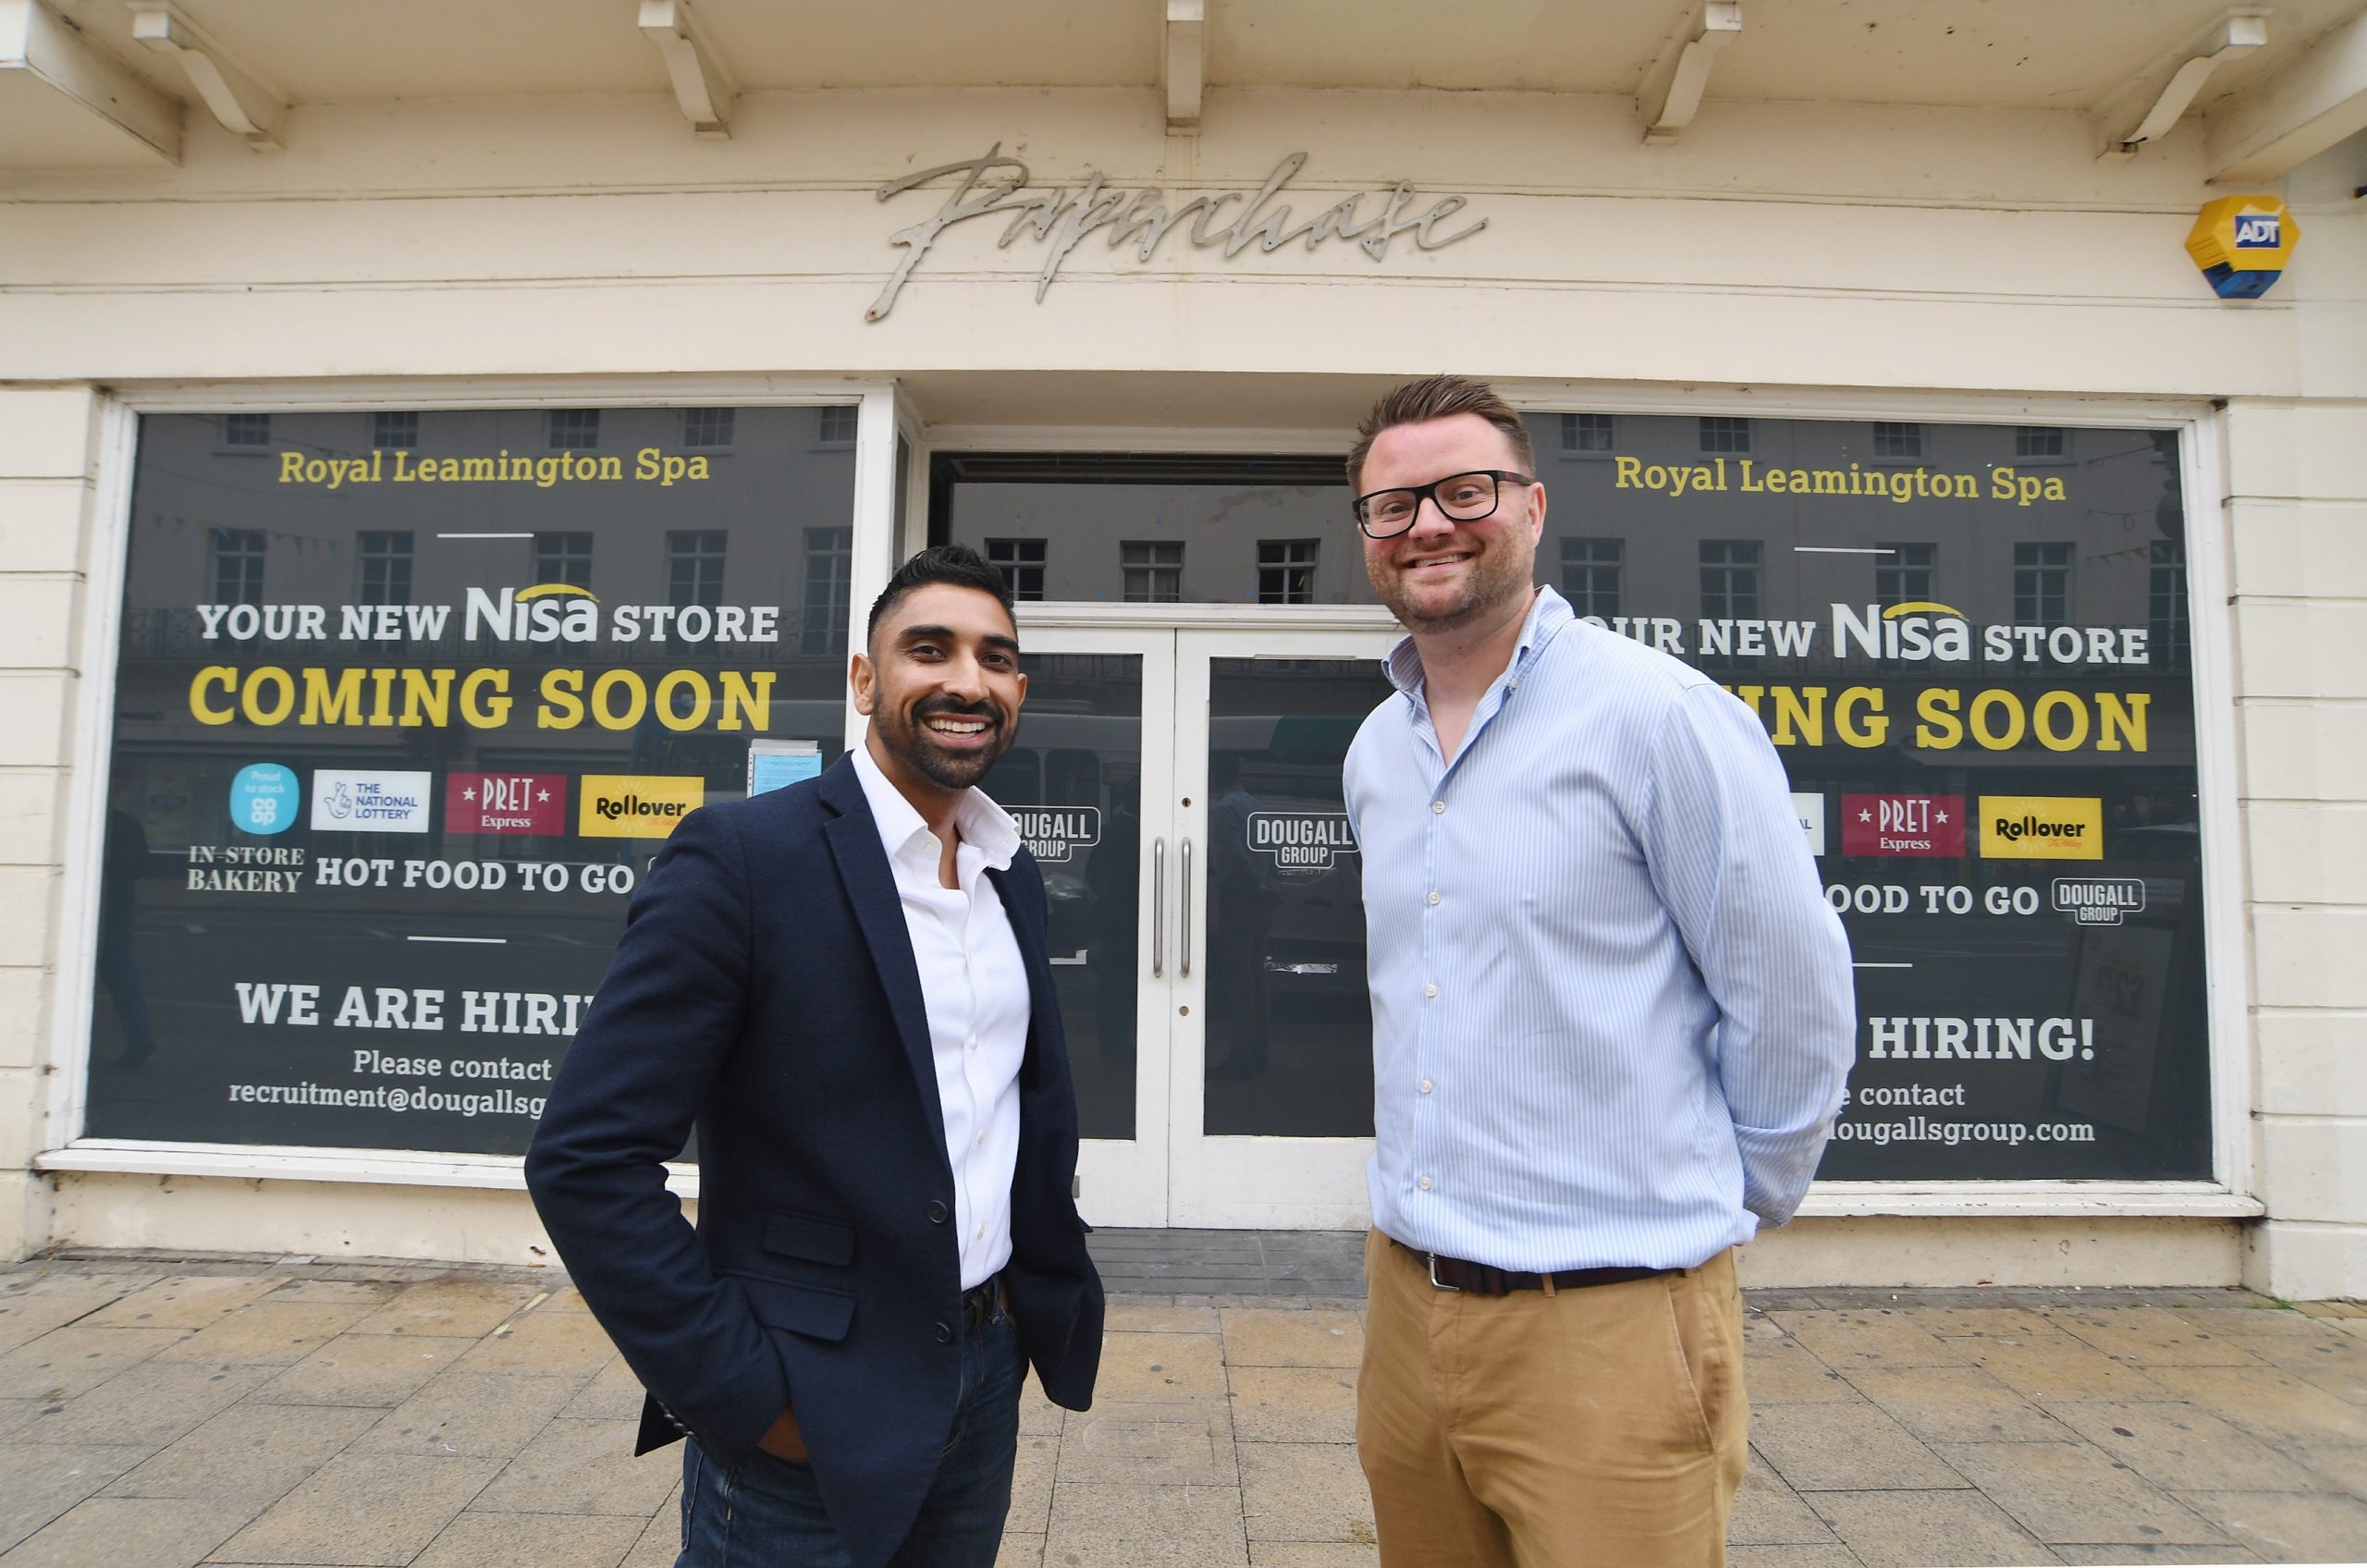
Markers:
point(405, 705)
point(1969, 645)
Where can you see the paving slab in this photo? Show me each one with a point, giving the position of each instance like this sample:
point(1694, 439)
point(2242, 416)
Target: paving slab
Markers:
point(517, 1540)
point(47, 1480)
point(556, 1341)
point(2051, 1364)
point(2071, 1492)
point(2127, 1556)
point(2185, 1448)
point(1960, 1404)
point(1279, 1337)
point(2152, 1336)
point(2342, 1466)
point(1141, 1366)
point(28, 1317)
point(661, 1539)
point(613, 1393)
point(1847, 1448)
point(1294, 1405)
point(1120, 1527)
point(1791, 1557)
point(369, 1509)
point(2268, 1402)
point(1158, 1443)
point(334, 1293)
point(68, 1361)
point(268, 1333)
point(249, 1453)
point(1313, 1555)
point(131, 1533)
point(2337, 1364)
point(2288, 1526)
point(1015, 1551)
point(185, 1301)
point(1304, 1492)
point(146, 1407)
point(1846, 1340)
point(1768, 1513)
point(583, 1467)
point(487, 1414)
point(1914, 1529)
point(1034, 1471)
point(472, 1307)
point(2262, 1320)
point(1148, 1318)
point(363, 1369)
point(1780, 1371)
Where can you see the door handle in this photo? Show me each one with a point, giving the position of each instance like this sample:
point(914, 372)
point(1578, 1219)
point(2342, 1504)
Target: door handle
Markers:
point(1159, 909)
point(1184, 934)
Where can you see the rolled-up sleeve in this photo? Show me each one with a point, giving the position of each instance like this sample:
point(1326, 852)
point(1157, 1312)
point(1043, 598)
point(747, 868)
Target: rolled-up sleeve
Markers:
point(1734, 870)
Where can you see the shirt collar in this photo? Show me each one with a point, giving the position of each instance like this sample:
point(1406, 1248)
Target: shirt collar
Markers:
point(981, 824)
point(1548, 613)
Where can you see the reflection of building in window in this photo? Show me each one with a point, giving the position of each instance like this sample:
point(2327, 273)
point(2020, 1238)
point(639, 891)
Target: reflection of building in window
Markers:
point(2165, 605)
point(386, 565)
point(1154, 571)
point(390, 431)
point(1285, 571)
point(1894, 440)
point(829, 580)
point(246, 429)
point(1721, 434)
point(1587, 433)
point(2042, 584)
point(1590, 569)
point(572, 430)
point(237, 566)
point(1903, 573)
point(1729, 578)
point(694, 567)
point(563, 557)
point(2036, 441)
point(836, 425)
point(707, 428)
point(1022, 561)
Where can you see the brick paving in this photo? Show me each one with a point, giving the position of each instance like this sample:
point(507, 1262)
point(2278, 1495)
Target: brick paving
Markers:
point(166, 1410)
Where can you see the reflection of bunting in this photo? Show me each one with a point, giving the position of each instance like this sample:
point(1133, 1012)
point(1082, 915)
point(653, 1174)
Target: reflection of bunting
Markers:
point(302, 543)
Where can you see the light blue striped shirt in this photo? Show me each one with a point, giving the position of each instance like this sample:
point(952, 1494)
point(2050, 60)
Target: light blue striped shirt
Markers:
point(1612, 1010)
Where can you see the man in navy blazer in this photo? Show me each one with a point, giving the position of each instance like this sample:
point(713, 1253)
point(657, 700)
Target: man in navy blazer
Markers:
point(842, 985)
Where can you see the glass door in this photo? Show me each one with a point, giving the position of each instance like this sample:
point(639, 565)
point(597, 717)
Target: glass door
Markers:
point(1271, 1069)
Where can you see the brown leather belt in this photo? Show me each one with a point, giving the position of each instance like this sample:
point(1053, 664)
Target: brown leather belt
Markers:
point(1481, 1279)
point(978, 1303)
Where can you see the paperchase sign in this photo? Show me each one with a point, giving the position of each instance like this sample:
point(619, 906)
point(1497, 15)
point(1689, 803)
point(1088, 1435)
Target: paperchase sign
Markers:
point(1059, 219)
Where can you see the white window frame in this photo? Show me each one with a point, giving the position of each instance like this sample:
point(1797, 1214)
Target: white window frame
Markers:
point(63, 1147)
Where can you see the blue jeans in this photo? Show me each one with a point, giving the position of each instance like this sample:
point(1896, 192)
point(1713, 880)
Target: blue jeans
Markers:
point(767, 1513)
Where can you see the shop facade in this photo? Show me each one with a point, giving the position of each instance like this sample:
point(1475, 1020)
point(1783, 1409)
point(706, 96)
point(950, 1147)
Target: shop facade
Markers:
point(407, 525)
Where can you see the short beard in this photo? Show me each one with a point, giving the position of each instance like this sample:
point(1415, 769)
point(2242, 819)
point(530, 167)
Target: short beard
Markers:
point(1482, 595)
point(910, 744)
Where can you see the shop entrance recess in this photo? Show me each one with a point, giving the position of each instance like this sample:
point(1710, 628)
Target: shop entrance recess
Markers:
point(1182, 790)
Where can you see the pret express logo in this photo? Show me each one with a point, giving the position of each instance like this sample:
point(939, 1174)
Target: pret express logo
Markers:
point(636, 805)
point(2041, 827)
point(1902, 825)
point(512, 804)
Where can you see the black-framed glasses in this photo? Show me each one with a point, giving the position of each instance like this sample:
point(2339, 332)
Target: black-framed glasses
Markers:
point(1464, 498)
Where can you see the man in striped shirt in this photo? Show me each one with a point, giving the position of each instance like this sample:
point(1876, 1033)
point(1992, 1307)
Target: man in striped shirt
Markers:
point(1611, 1015)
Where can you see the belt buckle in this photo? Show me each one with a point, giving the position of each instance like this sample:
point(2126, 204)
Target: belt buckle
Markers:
point(1436, 1283)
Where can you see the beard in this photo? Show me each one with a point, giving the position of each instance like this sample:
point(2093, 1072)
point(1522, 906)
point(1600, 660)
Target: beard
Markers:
point(908, 740)
point(1498, 573)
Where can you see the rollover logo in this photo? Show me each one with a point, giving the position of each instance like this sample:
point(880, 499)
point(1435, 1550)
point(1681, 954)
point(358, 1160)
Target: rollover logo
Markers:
point(2041, 827)
point(633, 806)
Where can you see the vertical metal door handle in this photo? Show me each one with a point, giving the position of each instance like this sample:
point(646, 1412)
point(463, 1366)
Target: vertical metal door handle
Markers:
point(1158, 909)
point(1184, 934)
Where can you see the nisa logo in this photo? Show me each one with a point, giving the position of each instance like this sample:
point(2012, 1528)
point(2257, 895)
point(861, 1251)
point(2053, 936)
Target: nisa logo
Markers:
point(634, 805)
point(2041, 827)
point(2259, 231)
point(548, 612)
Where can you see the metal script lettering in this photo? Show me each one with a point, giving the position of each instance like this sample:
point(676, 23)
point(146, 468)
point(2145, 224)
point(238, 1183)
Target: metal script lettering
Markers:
point(1061, 219)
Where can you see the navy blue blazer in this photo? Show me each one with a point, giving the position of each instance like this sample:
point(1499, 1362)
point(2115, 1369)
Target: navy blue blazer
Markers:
point(765, 989)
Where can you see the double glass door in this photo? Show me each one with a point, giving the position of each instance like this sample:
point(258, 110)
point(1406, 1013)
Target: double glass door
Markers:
point(1182, 790)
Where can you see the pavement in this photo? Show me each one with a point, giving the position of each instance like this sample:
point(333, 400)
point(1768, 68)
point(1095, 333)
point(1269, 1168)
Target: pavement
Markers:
point(162, 1411)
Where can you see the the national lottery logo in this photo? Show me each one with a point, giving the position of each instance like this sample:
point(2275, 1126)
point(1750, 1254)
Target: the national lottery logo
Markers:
point(1301, 841)
point(1929, 825)
point(509, 804)
point(1055, 833)
point(346, 801)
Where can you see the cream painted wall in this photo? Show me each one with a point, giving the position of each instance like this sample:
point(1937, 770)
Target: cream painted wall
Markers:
point(1778, 255)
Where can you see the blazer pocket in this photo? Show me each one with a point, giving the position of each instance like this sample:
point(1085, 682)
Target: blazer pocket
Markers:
point(801, 1309)
point(815, 1240)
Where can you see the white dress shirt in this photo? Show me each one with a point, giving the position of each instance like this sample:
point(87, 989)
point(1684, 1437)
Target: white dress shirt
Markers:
point(975, 986)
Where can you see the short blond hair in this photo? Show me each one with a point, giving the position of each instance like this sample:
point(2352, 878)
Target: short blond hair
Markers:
point(1440, 397)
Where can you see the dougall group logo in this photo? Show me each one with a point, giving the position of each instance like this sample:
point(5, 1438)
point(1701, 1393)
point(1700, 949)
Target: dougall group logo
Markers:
point(348, 801)
point(635, 805)
point(2041, 827)
point(1902, 825)
point(511, 804)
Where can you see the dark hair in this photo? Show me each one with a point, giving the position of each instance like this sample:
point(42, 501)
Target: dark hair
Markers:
point(1440, 397)
point(956, 565)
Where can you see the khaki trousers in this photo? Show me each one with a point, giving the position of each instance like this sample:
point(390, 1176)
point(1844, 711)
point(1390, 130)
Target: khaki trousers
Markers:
point(1601, 1426)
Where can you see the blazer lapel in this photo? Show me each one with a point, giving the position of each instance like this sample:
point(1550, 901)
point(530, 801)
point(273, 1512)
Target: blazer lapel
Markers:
point(854, 837)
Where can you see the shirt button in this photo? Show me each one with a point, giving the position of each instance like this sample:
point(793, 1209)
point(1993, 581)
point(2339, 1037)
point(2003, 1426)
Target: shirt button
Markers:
point(1438, 808)
point(1514, 685)
point(1434, 895)
point(982, 1140)
point(1424, 1183)
point(1426, 1085)
point(1431, 989)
